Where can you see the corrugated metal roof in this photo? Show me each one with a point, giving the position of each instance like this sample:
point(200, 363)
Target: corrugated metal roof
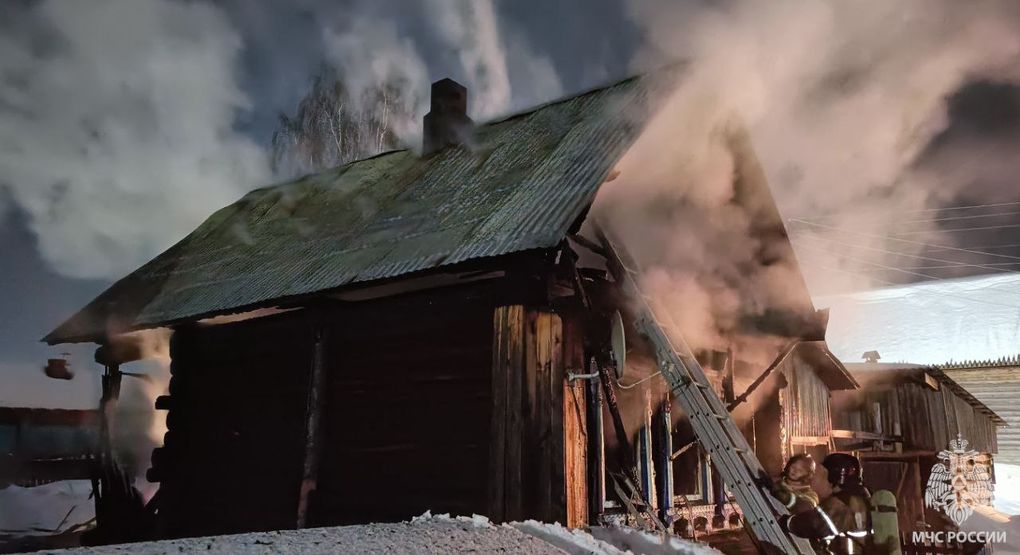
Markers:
point(519, 185)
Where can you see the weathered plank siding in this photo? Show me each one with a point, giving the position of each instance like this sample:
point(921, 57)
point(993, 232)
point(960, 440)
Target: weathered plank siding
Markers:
point(407, 410)
point(999, 388)
point(403, 419)
point(505, 440)
point(930, 419)
point(537, 454)
point(575, 426)
point(919, 404)
point(807, 411)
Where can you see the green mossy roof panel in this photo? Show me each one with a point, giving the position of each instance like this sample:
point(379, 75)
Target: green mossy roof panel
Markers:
point(519, 184)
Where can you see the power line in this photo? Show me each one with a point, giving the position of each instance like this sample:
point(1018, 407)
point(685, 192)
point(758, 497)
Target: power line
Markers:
point(956, 229)
point(958, 265)
point(895, 284)
point(907, 271)
point(908, 241)
point(955, 218)
point(885, 251)
point(896, 269)
point(920, 210)
point(1007, 246)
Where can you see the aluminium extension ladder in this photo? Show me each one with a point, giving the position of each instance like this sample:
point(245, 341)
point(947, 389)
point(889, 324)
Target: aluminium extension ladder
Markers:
point(732, 456)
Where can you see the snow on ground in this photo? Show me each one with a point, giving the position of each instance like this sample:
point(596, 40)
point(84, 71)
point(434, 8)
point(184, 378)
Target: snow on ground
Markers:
point(41, 509)
point(424, 535)
point(574, 542)
point(636, 541)
point(427, 533)
point(1007, 489)
point(989, 521)
point(1004, 515)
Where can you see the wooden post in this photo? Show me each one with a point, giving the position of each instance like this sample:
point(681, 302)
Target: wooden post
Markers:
point(596, 449)
point(505, 482)
point(542, 441)
point(313, 418)
point(575, 428)
point(538, 444)
point(107, 406)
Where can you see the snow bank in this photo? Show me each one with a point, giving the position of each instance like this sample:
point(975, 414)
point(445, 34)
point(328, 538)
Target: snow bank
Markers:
point(574, 542)
point(637, 541)
point(611, 540)
point(438, 534)
point(427, 533)
point(1007, 489)
point(42, 509)
point(478, 521)
point(980, 521)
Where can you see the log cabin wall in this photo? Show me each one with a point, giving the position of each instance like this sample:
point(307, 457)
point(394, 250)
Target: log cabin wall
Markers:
point(232, 454)
point(404, 418)
point(407, 408)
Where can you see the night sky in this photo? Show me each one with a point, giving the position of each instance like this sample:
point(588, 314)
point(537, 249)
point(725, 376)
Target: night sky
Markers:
point(586, 43)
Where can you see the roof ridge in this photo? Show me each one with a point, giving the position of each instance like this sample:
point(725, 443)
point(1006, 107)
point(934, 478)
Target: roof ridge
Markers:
point(501, 118)
point(493, 206)
point(980, 363)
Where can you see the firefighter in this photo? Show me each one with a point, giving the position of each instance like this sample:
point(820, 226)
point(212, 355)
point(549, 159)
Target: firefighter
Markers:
point(794, 486)
point(841, 523)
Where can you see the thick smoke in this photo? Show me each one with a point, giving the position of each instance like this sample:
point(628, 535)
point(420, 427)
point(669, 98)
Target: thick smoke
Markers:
point(119, 121)
point(842, 101)
point(116, 127)
point(137, 427)
point(380, 71)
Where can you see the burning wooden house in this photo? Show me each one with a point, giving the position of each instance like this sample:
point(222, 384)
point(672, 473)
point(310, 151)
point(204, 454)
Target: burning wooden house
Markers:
point(899, 421)
point(435, 332)
point(782, 409)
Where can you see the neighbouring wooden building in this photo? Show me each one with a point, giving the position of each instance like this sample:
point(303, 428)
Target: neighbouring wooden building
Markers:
point(416, 332)
point(996, 383)
point(898, 422)
point(39, 446)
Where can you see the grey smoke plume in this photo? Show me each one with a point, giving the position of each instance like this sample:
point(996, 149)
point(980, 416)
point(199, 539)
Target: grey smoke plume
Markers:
point(380, 76)
point(841, 99)
point(116, 127)
point(118, 120)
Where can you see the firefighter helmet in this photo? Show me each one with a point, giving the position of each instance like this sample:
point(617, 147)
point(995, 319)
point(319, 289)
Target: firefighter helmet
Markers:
point(844, 469)
point(799, 467)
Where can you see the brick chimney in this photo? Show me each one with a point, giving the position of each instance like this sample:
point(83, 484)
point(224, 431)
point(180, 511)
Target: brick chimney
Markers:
point(447, 123)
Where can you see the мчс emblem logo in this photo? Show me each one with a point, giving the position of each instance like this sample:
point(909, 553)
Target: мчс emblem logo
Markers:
point(960, 481)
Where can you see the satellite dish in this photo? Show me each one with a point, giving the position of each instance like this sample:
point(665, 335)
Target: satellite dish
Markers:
point(618, 344)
